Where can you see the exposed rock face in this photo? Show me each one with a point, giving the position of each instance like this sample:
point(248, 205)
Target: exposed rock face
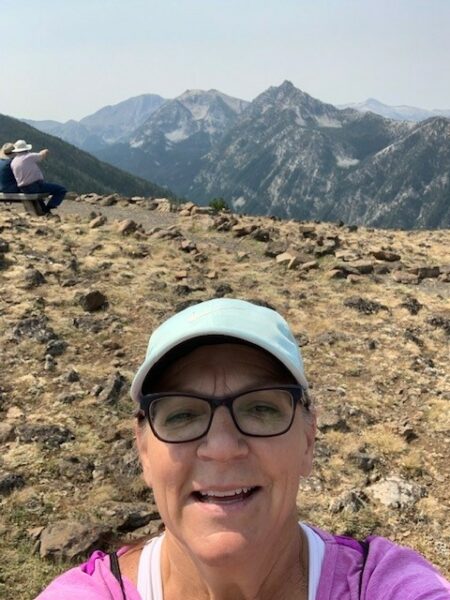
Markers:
point(395, 492)
point(68, 540)
point(170, 145)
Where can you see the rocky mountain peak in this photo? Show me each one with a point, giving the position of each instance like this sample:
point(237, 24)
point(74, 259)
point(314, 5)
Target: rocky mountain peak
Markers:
point(304, 110)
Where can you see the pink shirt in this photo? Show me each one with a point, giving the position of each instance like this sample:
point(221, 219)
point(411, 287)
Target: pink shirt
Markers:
point(25, 168)
point(388, 572)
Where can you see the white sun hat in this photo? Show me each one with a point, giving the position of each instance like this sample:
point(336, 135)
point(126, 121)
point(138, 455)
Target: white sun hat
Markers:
point(22, 146)
point(228, 318)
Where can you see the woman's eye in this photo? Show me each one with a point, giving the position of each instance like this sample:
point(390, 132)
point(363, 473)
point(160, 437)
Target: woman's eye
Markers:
point(262, 410)
point(179, 417)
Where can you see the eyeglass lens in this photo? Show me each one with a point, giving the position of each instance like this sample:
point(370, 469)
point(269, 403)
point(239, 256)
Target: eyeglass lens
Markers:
point(260, 413)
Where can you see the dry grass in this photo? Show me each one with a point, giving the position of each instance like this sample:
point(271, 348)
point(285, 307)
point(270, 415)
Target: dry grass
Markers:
point(361, 366)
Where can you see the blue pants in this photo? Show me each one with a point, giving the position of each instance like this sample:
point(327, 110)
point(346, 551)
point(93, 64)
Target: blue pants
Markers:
point(56, 191)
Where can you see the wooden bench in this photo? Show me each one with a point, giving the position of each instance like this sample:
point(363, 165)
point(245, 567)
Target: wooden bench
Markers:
point(32, 202)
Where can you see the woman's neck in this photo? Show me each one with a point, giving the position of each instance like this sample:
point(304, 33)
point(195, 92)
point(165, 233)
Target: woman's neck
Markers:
point(277, 572)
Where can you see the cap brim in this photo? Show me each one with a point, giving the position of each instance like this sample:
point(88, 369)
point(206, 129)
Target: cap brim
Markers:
point(151, 362)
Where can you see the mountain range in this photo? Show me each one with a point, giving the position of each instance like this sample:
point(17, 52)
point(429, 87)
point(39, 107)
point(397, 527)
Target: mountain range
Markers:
point(398, 113)
point(285, 154)
point(75, 169)
point(108, 125)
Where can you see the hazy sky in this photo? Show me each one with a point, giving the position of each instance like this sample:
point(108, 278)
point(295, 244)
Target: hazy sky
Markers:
point(65, 59)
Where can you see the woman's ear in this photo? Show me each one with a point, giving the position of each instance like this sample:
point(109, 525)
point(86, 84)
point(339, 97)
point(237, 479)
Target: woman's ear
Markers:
point(142, 435)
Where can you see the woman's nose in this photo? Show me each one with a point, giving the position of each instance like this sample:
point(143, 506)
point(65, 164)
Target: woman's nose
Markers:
point(223, 441)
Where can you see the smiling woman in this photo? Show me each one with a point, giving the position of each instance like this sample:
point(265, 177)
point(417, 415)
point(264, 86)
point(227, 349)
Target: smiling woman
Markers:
point(225, 431)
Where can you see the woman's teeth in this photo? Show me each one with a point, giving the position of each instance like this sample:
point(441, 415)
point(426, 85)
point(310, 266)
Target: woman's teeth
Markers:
point(225, 495)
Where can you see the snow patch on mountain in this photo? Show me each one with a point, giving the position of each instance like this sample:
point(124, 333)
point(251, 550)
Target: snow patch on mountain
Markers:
point(239, 202)
point(327, 121)
point(344, 162)
point(178, 135)
point(136, 144)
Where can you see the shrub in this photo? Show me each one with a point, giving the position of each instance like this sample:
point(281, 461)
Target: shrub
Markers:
point(218, 204)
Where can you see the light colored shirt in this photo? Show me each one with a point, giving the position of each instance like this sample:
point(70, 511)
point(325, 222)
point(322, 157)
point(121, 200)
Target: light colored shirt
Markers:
point(25, 168)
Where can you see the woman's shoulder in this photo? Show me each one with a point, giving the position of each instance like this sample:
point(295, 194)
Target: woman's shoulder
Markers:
point(93, 580)
point(378, 569)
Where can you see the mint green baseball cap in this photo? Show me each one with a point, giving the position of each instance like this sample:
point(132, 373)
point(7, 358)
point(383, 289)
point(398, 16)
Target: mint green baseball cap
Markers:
point(234, 320)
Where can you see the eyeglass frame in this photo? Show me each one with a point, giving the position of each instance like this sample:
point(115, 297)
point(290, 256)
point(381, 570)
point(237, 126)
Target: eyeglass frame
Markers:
point(298, 393)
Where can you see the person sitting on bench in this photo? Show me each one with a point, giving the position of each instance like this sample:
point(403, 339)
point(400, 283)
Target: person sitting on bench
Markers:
point(30, 178)
point(8, 183)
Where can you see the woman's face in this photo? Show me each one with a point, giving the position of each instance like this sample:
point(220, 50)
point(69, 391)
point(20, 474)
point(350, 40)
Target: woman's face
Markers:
point(191, 480)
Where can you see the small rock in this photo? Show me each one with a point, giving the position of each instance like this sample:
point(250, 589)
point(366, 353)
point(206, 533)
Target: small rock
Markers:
point(243, 230)
point(261, 235)
point(336, 274)
point(188, 246)
point(72, 376)
point(6, 432)
point(96, 390)
point(385, 255)
point(4, 246)
point(363, 461)
point(408, 432)
point(351, 501)
point(273, 249)
point(10, 482)
point(363, 267)
point(68, 540)
point(381, 269)
point(108, 200)
point(180, 274)
point(331, 420)
point(92, 301)
point(56, 348)
point(126, 227)
point(309, 265)
point(367, 307)
point(33, 278)
point(395, 492)
point(425, 272)
point(412, 305)
point(97, 222)
point(115, 387)
point(405, 277)
point(69, 398)
point(290, 258)
point(51, 436)
point(354, 279)
point(439, 321)
point(223, 289)
point(202, 210)
point(183, 290)
point(49, 363)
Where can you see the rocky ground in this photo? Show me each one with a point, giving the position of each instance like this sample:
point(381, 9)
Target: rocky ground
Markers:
point(81, 292)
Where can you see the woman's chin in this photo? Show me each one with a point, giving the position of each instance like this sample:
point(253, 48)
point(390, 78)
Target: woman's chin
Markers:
point(222, 548)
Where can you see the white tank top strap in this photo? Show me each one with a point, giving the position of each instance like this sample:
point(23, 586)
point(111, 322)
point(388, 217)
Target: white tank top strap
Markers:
point(316, 549)
point(149, 582)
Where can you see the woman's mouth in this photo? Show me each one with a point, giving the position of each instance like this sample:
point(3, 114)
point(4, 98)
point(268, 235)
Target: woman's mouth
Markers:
point(225, 496)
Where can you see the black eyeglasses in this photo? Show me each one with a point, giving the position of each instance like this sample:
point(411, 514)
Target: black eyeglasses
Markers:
point(264, 412)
